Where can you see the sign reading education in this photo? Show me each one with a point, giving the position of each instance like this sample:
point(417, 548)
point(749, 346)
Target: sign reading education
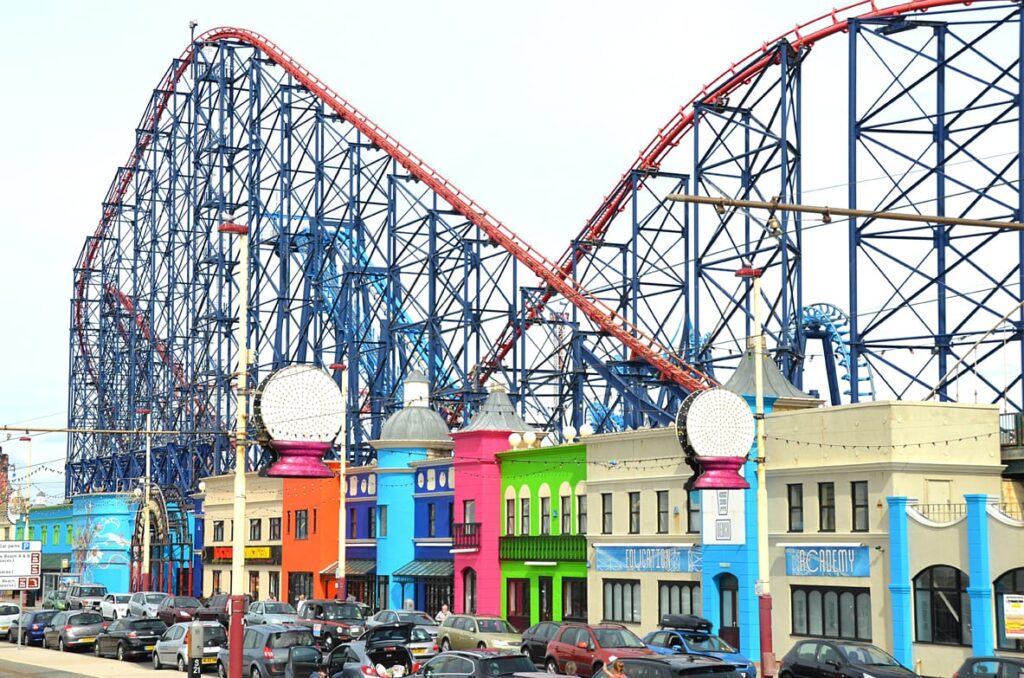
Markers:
point(827, 561)
point(648, 559)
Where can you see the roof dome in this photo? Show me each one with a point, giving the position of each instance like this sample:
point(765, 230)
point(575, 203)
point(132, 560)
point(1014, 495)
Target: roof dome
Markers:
point(416, 421)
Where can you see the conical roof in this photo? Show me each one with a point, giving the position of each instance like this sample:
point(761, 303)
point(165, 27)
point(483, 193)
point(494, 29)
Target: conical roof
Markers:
point(775, 384)
point(497, 414)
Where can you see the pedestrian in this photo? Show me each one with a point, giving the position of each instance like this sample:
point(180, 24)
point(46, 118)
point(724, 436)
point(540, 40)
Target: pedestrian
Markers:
point(319, 673)
point(617, 669)
point(443, 614)
point(302, 597)
point(350, 598)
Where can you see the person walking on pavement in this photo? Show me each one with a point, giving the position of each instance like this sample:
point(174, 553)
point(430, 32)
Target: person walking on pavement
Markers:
point(443, 614)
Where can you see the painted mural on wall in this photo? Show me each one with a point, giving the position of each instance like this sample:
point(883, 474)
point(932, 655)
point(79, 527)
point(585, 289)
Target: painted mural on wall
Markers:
point(101, 551)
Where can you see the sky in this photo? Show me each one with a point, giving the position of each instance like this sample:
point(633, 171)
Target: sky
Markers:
point(533, 108)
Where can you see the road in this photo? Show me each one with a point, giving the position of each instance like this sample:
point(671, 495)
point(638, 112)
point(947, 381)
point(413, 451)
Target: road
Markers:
point(35, 662)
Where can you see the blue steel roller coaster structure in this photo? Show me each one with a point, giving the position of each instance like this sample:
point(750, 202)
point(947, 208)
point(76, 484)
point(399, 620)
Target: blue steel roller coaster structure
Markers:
point(363, 254)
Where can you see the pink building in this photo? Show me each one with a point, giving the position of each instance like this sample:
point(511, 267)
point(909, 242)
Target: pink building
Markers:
point(477, 503)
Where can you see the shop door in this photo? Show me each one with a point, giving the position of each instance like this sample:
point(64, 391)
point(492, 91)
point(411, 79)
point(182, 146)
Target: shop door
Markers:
point(728, 596)
point(518, 599)
point(545, 586)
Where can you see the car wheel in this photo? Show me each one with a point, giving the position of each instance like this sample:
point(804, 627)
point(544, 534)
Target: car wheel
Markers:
point(328, 642)
point(255, 673)
point(114, 615)
point(446, 645)
point(156, 662)
point(122, 655)
point(221, 671)
point(182, 664)
point(551, 666)
point(96, 649)
point(595, 668)
point(481, 645)
point(60, 644)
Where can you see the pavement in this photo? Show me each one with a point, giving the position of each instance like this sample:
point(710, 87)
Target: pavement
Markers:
point(35, 662)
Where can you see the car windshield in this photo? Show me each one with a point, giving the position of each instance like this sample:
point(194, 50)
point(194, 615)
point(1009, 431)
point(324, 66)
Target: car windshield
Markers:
point(867, 655)
point(617, 638)
point(287, 639)
point(98, 591)
point(342, 611)
point(86, 618)
point(416, 618)
point(214, 632)
point(278, 608)
point(121, 600)
point(9, 609)
point(42, 617)
point(148, 625)
point(61, 595)
point(389, 634)
point(155, 598)
point(186, 601)
point(420, 635)
point(494, 626)
point(706, 642)
point(506, 666)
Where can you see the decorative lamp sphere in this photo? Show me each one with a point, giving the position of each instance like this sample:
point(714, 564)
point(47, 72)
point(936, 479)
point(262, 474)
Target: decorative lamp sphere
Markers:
point(202, 486)
point(515, 440)
point(529, 438)
point(299, 408)
point(137, 492)
point(569, 432)
point(586, 430)
point(719, 429)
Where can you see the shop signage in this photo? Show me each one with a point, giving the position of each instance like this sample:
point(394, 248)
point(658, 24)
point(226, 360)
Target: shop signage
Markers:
point(1013, 615)
point(723, 516)
point(648, 559)
point(827, 561)
point(268, 555)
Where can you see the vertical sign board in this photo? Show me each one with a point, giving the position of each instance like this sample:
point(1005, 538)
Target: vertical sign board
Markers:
point(195, 644)
point(1013, 615)
point(20, 565)
point(722, 517)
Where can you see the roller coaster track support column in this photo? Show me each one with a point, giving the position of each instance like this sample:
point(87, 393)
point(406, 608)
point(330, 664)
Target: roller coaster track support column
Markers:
point(242, 385)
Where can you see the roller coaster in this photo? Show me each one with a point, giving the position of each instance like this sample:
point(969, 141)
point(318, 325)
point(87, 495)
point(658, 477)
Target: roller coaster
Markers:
point(362, 254)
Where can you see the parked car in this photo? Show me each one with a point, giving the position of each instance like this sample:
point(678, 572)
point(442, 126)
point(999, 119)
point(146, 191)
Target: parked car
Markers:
point(172, 647)
point(465, 631)
point(115, 605)
point(418, 617)
point(216, 609)
point(129, 638)
point(582, 650)
point(8, 614)
point(56, 600)
point(331, 621)
point(991, 667)
point(816, 658)
point(536, 638)
point(691, 635)
point(481, 663)
point(265, 649)
point(174, 609)
point(677, 666)
point(358, 659)
point(30, 626)
point(145, 603)
point(72, 629)
point(270, 612)
point(86, 596)
point(415, 638)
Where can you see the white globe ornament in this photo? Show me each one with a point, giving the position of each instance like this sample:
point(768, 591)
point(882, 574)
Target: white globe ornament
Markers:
point(529, 438)
point(586, 430)
point(717, 428)
point(569, 433)
point(515, 440)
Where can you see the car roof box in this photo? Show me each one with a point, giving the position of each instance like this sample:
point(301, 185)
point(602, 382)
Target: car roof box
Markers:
point(690, 622)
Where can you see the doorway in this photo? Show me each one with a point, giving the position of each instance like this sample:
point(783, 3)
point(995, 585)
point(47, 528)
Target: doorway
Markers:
point(518, 603)
point(546, 587)
point(728, 598)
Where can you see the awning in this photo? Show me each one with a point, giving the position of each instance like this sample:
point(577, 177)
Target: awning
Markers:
point(53, 562)
point(426, 568)
point(352, 567)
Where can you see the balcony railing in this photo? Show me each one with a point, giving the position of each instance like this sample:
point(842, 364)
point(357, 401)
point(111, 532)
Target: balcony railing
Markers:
point(558, 548)
point(466, 535)
point(1015, 511)
point(1011, 429)
point(942, 513)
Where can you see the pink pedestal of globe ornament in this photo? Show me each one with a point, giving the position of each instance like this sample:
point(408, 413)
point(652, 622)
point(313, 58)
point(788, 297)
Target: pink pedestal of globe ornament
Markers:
point(721, 473)
point(300, 459)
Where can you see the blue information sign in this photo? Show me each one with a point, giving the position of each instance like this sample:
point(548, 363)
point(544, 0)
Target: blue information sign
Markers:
point(648, 558)
point(827, 561)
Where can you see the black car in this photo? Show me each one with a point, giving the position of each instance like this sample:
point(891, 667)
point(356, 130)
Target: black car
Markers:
point(482, 663)
point(69, 630)
point(129, 638)
point(535, 640)
point(216, 609)
point(332, 621)
point(816, 658)
point(677, 666)
point(991, 667)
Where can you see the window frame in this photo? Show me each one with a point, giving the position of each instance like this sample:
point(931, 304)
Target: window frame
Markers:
point(432, 519)
point(607, 513)
point(693, 515)
point(255, 529)
point(524, 515)
point(662, 511)
point(826, 510)
point(568, 586)
point(382, 520)
point(794, 491)
point(822, 592)
point(694, 594)
point(218, 531)
point(274, 528)
point(634, 512)
point(545, 515)
point(565, 514)
point(371, 521)
point(581, 514)
point(635, 590)
point(943, 604)
point(862, 509)
point(301, 524)
point(510, 516)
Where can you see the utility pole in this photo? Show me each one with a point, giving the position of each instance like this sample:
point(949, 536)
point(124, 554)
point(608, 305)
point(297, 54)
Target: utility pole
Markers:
point(145, 578)
point(28, 505)
point(342, 459)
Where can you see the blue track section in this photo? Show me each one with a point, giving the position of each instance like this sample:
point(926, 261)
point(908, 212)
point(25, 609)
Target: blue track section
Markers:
point(831, 324)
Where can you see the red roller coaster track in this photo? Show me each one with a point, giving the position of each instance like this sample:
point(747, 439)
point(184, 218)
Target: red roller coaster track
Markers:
point(555, 276)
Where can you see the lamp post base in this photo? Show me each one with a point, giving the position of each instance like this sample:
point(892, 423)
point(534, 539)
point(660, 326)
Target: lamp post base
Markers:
point(768, 663)
point(300, 459)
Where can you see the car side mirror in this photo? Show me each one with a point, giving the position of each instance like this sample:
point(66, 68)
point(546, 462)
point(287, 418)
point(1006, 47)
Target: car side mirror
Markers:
point(678, 649)
point(582, 645)
point(834, 664)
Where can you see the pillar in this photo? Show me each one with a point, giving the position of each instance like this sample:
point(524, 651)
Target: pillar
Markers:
point(899, 583)
point(979, 591)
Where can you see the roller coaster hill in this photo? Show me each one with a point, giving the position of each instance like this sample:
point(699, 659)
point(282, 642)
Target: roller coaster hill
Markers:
point(362, 254)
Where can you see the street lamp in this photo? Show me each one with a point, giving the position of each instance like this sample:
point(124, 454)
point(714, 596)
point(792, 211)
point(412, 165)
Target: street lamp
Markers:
point(28, 498)
point(145, 577)
point(764, 595)
point(339, 577)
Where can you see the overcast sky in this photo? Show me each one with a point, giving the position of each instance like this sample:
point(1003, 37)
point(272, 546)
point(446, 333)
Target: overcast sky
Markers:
point(533, 108)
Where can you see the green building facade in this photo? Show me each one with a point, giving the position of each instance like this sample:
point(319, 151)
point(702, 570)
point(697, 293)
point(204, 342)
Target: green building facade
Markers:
point(543, 543)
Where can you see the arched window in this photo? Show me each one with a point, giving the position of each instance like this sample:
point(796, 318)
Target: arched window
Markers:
point(565, 508)
point(510, 510)
point(544, 501)
point(44, 535)
point(524, 510)
point(581, 508)
point(1011, 582)
point(942, 611)
point(469, 591)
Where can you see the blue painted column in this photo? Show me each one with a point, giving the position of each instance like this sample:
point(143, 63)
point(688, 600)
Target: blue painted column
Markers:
point(198, 539)
point(980, 588)
point(899, 584)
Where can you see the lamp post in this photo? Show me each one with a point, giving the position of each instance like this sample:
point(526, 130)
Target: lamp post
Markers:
point(242, 384)
point(339, 580)
point(145, 578)
point(764, 595)
point(28, 499)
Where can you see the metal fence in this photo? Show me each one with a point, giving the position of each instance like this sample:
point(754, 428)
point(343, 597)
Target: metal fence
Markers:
point(942, 513)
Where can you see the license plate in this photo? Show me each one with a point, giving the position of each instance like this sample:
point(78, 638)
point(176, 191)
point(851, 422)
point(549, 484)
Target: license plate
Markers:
point(419, 650)
point(87, 640)
point(149, 648)
point(209, 660)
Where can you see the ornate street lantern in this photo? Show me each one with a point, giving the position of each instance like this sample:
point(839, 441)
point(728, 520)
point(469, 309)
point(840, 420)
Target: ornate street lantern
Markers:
point(716, 429)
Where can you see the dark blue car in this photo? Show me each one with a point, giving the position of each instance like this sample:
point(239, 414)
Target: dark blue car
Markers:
point(688, 634)
point(30, 626)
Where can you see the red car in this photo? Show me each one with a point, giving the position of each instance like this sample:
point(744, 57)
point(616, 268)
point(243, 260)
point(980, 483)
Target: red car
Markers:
point(174, 609)
point(582, 650)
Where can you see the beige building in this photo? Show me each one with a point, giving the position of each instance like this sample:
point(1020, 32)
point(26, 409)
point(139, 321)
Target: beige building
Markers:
point(262, 535)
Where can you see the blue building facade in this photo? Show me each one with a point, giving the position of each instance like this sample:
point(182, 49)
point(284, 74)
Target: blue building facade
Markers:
point(360, 535)
point(54, 527)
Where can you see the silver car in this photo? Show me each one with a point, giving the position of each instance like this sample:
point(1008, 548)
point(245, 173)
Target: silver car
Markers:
point(8, 615)
point(172, 648)
point(417, 617)
point(270, 612)
point(145, 603)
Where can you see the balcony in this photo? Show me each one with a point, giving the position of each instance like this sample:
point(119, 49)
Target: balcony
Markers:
point(466, 537)
point(556, 548)
point(942, 513)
